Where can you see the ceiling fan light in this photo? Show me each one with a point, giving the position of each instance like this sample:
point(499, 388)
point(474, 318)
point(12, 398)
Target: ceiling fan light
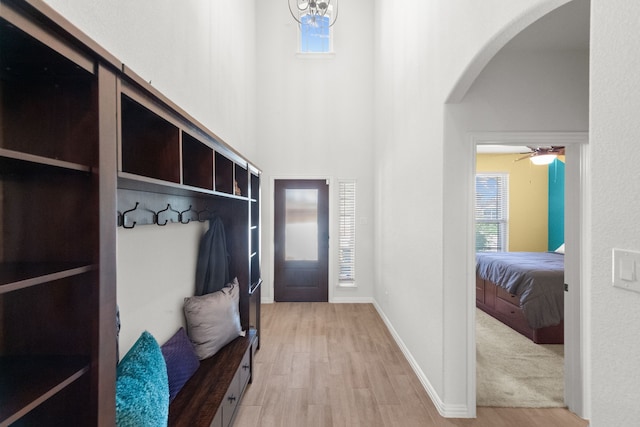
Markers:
point(543, 159)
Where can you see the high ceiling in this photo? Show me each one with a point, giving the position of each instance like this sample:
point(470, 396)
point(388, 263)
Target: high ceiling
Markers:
point(565, 28)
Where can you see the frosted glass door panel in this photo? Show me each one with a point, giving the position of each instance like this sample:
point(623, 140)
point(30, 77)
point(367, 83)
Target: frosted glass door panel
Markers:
point(301, 225)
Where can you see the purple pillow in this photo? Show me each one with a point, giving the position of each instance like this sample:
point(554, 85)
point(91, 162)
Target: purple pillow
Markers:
point(181, 360)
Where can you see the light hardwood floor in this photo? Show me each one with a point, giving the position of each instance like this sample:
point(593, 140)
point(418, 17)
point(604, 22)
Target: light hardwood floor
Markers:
point(325, 364)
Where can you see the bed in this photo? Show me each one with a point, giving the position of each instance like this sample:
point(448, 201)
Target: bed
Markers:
point(524, 290)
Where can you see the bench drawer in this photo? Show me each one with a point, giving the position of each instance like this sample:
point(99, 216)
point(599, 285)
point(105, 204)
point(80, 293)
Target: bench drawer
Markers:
point(245, 370)
point(231, 400)
point(236, 389)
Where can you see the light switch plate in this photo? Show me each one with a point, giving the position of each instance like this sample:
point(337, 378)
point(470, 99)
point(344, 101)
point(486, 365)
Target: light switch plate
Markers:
point(625, 269)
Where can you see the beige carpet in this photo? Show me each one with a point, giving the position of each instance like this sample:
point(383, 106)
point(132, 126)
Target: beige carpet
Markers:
point(512, 371)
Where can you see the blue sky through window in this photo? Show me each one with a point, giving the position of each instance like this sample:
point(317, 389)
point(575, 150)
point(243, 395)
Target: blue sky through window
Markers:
point(314, 33)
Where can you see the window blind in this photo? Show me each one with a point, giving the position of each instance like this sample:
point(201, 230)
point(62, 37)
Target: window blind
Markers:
point(347, 236)
point(492, 212)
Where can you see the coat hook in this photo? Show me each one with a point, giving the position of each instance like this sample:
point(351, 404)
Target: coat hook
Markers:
point(181, 214)
point(164, 210)
point(199, 212)
point(124, 217)
point(209, 212)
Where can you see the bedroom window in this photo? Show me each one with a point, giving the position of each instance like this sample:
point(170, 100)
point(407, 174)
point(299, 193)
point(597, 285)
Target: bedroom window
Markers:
point(492, 212)
point(347, 233)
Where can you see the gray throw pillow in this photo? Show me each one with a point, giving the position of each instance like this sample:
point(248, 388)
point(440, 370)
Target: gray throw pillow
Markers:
point(213, 320)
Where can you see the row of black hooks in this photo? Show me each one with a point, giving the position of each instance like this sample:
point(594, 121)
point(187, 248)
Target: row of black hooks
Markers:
point(183, 217)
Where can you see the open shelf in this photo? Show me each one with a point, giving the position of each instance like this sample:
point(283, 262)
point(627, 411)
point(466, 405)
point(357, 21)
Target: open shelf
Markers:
point(16, 162)
point(39, 85)
point(50, 215)
point(241, 181)
point(150, 143)
point(197, 163)
point(14, 276)
point(224, 174)
point(255, 188)
point(128, 181)
point(27, 382)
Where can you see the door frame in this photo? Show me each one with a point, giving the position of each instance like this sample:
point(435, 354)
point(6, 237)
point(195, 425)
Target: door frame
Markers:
point(319, 266)
point(270, 237)
point(577, 309)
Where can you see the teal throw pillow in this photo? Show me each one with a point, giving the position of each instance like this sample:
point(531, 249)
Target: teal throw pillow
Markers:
point(142, 387)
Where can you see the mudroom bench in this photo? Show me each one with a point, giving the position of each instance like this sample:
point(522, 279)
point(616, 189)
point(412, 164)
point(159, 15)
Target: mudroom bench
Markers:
point(211, 396)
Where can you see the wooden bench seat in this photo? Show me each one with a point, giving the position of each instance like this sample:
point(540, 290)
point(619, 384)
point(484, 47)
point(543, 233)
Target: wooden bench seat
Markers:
point(212, 394)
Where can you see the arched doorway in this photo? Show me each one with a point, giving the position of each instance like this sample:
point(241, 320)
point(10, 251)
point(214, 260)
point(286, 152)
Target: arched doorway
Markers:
point(459, 155)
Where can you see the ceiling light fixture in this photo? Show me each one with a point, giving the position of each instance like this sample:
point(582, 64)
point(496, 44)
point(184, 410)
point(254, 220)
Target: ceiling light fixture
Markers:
point(543, 159)
point(315, 9)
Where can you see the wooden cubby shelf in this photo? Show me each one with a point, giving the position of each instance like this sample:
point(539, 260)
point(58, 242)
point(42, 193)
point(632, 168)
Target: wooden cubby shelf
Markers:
point(14, 276)
point(150, 143)
point(27, 382)
point(197, 163)
point(224, 174)
point(40, 85)
point(140, 183)
point(241, 182)
point(15, 161)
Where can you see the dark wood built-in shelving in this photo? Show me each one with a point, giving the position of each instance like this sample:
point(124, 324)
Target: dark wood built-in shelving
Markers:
point(17, 162)
point(197, 163)
point(224, 174)
point(27, 382)
point(150, 144)
point(82, 140)
point(54, 291)
point(14, 276)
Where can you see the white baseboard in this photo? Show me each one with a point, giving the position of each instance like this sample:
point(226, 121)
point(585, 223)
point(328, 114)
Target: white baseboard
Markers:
point(338, 300)
point(352, 300)
point(447, 411)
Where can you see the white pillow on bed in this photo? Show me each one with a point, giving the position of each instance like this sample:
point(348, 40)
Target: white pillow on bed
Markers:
point(560, 249)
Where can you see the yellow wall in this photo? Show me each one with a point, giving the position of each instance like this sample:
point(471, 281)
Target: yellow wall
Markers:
point(528, 199)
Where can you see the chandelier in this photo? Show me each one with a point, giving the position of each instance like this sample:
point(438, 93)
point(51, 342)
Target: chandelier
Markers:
point(314, 9)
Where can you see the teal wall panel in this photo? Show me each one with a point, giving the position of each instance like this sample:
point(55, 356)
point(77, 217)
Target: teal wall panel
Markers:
point(556, 204)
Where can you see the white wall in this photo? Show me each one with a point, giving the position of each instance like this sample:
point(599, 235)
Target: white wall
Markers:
point(156, 271)
point(314, 121)
point(424, 51)
point(614, 133)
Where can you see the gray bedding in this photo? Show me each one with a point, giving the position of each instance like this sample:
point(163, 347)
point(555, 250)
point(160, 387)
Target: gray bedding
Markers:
point(536, 277)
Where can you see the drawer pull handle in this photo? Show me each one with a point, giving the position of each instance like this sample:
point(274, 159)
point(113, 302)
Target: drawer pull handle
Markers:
point(245, 367)
point(231, 398)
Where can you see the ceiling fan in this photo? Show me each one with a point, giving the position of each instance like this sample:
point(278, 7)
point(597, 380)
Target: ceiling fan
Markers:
point(542, 155)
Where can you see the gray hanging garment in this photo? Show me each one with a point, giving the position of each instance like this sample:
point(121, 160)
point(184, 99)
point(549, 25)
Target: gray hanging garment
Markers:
point(212, 268)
